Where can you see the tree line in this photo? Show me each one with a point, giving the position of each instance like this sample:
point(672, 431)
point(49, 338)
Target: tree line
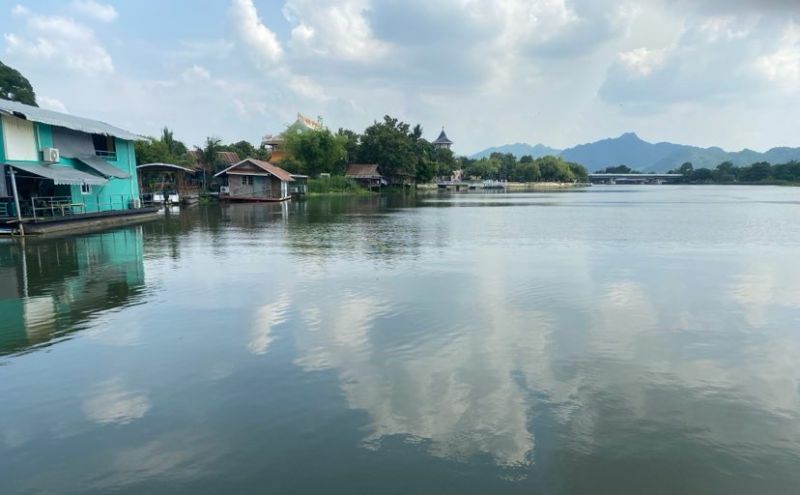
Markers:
point(505, 166)
point(728, 173)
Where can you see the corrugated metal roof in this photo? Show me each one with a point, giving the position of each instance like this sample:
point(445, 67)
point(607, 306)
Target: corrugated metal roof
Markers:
point(36, 114)
point(265, 166)
point(102, 166)
point(61, 175)
point(362, 171)
point(165, 165)
point(228, 157)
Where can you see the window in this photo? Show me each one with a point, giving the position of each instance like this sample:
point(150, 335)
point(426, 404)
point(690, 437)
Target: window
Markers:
point(86, 189)
point(247, 179)
point(104, 146)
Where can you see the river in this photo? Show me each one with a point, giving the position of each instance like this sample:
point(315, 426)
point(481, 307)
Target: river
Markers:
point(615, 340)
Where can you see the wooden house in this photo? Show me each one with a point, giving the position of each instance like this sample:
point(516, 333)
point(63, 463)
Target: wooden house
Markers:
point(255, 180)
point(366, 175)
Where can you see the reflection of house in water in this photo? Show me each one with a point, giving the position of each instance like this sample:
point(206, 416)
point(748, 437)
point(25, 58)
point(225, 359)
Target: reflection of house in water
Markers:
point(51, 286)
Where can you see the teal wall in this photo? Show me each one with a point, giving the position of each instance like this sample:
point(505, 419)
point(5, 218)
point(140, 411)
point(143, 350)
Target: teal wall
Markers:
point(116, 194)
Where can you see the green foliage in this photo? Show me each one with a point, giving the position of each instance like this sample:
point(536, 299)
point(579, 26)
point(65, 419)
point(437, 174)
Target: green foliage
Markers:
point(317, 152)
point(244, 149)
point(390, 144)
point(15, 87)
point(503, 166)
point(619, 169)
point(350, 140)
point(335, 185)
point(165, 149)
point(209, 153)
point(728, 173)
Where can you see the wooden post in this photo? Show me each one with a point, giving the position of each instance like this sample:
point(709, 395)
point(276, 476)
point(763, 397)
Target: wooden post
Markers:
point(16, 200)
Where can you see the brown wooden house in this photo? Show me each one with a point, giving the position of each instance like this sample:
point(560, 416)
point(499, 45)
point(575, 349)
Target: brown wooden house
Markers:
point(255, 180)
point(366, 175)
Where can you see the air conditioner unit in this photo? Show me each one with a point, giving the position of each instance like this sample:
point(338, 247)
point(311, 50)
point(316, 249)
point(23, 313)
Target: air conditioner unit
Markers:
point(50, 155)
point(224, 190)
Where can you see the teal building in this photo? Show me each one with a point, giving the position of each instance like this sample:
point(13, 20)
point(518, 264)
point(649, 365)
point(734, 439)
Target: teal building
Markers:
point(63, 165)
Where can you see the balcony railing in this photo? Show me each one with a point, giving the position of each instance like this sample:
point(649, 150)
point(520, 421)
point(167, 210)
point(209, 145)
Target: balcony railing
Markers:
point(62, 206)
point(106, 155)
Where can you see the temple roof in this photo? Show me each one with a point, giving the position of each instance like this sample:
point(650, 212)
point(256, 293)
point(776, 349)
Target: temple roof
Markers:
point(442, 139)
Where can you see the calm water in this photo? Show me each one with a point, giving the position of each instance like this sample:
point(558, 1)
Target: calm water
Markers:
point(622, 340)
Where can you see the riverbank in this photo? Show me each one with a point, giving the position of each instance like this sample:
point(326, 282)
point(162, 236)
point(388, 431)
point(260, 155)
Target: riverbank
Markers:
point(521, 186)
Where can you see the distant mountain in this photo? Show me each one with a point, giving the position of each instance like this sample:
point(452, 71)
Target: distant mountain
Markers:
point(629, 149)
point(519, 150)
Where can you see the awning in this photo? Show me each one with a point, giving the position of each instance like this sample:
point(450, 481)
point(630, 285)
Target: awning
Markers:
point(102, 166)
point(60, 174)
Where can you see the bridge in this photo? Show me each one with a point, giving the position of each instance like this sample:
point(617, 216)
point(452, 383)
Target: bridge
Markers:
point(632, 178)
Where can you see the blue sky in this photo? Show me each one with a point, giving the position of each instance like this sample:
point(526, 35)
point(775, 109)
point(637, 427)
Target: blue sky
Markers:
point(560, 72)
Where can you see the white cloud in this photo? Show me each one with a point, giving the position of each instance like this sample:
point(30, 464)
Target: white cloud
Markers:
point(63, 41)
point(20, 10)
point(783, 65)
point(262, 43)
point(725, 28)
point(51, 103)
point(641, 61)
point(266, 318)
point(111, 402)
point(305, 86)
point(337, 29)
point(196, 73)
point(101, 12)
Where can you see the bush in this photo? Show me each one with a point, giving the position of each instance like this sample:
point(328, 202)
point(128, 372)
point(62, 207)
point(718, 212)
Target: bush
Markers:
point(336, 184)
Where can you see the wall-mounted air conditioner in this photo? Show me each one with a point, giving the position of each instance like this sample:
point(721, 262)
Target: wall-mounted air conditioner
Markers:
point(50, 155)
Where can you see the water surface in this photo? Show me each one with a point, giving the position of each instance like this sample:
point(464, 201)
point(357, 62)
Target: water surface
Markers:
point(619, 340)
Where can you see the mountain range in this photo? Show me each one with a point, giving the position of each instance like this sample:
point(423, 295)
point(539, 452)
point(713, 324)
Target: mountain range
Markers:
point(629, 149)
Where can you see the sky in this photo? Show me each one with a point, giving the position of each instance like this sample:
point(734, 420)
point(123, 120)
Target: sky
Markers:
point(559, 72)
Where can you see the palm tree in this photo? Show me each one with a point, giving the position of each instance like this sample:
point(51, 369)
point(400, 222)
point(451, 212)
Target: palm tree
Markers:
point(209, 156)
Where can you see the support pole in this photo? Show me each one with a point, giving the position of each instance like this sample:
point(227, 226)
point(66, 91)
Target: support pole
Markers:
point(16, 200)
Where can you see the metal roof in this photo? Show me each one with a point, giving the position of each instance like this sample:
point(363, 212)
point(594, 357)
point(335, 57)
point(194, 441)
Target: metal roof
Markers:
point(36, 114)
point(61, 175)
point(165, 165)
point(265, 166)
point(362, 171)
point(442, 139)
point(103, 167)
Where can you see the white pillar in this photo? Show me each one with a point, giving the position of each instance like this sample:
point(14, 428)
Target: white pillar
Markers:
point(16, 199)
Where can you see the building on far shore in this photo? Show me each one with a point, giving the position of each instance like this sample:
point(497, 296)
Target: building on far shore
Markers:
point(442, 141)
point(366, 175)
point(275, 142)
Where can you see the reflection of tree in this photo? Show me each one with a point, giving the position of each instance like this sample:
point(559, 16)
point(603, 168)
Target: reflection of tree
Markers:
point(61, 282)
point(353, 227)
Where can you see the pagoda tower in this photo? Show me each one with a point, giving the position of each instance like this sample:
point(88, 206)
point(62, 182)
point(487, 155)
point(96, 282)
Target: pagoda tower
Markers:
point(442, 141)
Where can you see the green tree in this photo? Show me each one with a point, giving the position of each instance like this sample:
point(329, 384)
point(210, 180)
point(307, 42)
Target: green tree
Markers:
point(15, 87)
point(725, 172)
point(389, 144)
point(350, 140)
point(579, 172)
point(554, 169)
point(619, 169)
point(757, 172)
point(317, 151)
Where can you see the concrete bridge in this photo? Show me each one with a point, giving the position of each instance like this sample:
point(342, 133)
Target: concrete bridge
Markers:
point(632, 178)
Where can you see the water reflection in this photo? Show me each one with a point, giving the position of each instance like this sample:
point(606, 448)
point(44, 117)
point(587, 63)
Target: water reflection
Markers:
point(488, 350)
point(51, 286)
